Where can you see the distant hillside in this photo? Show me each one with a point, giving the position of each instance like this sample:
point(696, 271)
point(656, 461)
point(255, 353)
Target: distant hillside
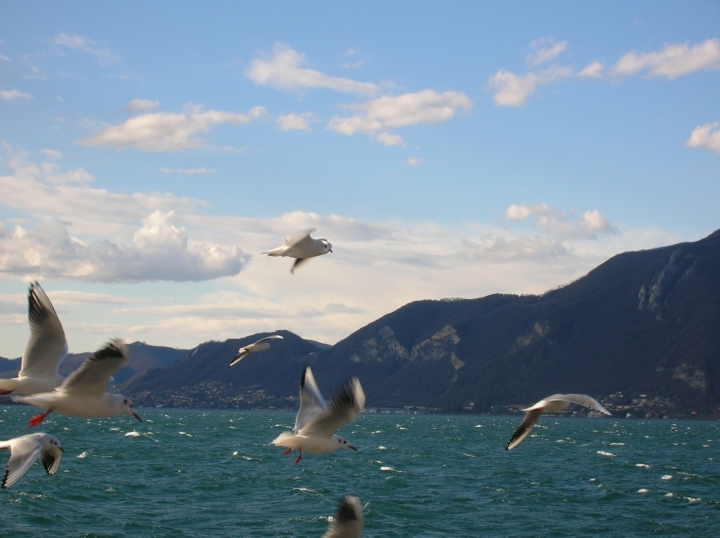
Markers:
point(276, 371)
point(142, 357)
point(641, 323)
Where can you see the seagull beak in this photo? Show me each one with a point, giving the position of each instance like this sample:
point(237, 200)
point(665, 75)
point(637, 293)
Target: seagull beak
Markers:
point(136, 416)
point(61, 448)
point(330, 250)
point(352, 448)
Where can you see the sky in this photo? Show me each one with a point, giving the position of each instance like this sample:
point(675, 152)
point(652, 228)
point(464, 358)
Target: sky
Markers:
point(151, 151)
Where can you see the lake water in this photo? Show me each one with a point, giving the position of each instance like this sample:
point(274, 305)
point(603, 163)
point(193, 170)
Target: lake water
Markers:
point(184, 473)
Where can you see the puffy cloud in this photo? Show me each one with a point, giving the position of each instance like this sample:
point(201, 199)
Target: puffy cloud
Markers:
point(545, 50)
point(84, 44)
point(556, 223)
point(294, 122)
point(705, 136)
point(377, 116)
point(141, 104)
point(14, 94)
point(389, 139)
point(282, 70)
point(513, 90)
point(159, 251)
point(592, 70)
point(671, 61)
point(164, 131)
point(52, 154)
point(414, 162)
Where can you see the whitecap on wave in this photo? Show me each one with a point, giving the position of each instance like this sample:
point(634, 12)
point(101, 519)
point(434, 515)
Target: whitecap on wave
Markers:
point(606, 454)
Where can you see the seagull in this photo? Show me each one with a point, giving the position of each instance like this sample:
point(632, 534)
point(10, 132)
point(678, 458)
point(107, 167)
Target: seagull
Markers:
point(316, 421)
point(260, 345)
point(301, 247)
point(25, 450)
point(83, 394)
point(348, 521)
point(45, 349)
point(551, 404)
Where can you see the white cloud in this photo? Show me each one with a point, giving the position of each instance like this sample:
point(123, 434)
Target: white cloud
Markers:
point(164, 131)
point(84, 44)
point(52, 174)
point(159, 251)
point(389, 139)
point(388, 112)
point(283, 71)
point(294, 122)
point(188, 171)
point(558, 224)
point(705, 136)
point(513, 90)
point(4, 58)
point(52, 154)
point(141, 104)
point(672, 61)
point(545, 50)
point(414, 162)
point(14, 94)
point(592, 70)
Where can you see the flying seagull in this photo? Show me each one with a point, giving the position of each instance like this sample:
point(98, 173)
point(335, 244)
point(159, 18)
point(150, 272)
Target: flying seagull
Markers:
point(316, 421)
point(348, 521)
point(25, 450)
point(551, 404)
point(83, 394)
point(45, 349)
point(301, 247)
point(260, 345)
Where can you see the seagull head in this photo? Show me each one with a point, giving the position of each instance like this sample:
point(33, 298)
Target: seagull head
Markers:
point(326, 245)
point(128, 409)
point(341, 442)
point(50, 441)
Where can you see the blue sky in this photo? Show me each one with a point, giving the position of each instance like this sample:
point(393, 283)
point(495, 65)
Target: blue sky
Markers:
point(150, 151)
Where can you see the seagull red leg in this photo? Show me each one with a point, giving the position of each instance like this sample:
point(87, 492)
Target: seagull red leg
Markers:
point(287, 452)
point(37, 419)
point(297, 460)
point(4, 392)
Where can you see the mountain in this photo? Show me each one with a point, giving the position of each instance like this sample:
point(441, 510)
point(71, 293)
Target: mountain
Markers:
point(142, 357)
point(642, 323)
point(203, 377)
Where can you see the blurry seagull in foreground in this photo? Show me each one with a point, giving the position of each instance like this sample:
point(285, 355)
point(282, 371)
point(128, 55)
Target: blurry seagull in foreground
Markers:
point(45, 349)
point(83, 394)
point(551, 404)
point(316, 421)
point(260, 345)
point(301, 247)
point(348, 521)
point(25, 450)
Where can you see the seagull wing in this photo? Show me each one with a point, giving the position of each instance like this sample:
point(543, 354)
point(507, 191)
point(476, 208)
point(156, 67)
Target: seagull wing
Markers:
point(93, 375)
point(50, 458)
point(531, 418)
point(580, 399)
point(298, 262)
point(299, 238)
point(344, 407)
point(23, 453)
point(46, 346)
point(311, 401)
point(273, 337)
point(348, 521)
point(240, 356)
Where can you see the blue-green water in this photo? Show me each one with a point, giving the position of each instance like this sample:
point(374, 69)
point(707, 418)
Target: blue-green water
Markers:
point(214, 473)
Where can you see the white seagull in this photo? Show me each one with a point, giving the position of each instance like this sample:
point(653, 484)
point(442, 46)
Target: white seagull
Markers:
point(316, 421)
point(348, 521)
point(45, 349)
point(301, 247)
point(551, 404)
point(260, 345)
point(83, 394)
point(25, 450)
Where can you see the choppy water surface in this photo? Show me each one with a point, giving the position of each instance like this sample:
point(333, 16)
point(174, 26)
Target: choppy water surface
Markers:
point(214, 473)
